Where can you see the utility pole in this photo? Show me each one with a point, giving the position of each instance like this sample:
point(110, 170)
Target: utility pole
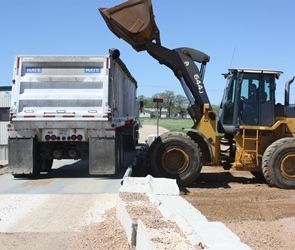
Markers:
point(158, 100)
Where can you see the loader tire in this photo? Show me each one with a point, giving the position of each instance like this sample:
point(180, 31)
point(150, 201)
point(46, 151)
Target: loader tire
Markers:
point(258, 175)
point(175, 155)
point(278, 163)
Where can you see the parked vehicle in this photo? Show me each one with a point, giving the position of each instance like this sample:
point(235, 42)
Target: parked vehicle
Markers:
point(72, 107)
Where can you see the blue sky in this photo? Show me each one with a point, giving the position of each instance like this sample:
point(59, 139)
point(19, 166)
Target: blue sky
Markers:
point(235, 33)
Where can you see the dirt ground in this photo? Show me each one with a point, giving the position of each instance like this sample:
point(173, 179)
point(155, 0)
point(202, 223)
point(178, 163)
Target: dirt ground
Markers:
point(147, 130)
point(108, 234)
point(263, 217)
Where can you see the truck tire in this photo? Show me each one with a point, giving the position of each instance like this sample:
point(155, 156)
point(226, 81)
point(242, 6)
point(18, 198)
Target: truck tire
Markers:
point(175, 155)
point(119, 153)
point(46, 165)
point(141, 168)
point(278, 163)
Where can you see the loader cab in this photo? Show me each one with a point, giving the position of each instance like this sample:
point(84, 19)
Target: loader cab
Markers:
point(249, 99)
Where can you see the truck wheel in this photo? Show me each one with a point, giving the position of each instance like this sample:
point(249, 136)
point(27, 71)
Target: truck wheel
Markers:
point(20, 175)
point(278, 163)
point(119, 153)
point(46, 165)
point(175, 155)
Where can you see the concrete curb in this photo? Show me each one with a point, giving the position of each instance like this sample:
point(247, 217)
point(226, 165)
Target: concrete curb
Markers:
point(129, 225)
point(143, 239)
point(148, 184)
point(164, 194)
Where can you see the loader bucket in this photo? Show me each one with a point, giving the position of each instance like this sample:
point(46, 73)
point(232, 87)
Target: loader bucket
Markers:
point(132, 21)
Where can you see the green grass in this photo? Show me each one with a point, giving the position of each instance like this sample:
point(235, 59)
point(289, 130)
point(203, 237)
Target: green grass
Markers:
point(173, 125)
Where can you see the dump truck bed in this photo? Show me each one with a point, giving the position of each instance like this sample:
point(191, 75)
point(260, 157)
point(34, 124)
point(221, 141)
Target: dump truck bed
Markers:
point(54, 89)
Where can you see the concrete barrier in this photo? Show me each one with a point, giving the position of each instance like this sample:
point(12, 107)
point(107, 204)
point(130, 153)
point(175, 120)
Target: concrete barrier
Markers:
point(164, 195)
point(129, 225)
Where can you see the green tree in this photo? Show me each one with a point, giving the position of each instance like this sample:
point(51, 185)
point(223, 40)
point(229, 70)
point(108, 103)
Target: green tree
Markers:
point(181, 104)
point(147, 101)
point(215, 108)
point(168, 100)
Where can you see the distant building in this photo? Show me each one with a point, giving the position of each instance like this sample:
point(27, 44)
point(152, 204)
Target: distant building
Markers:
point(5, 99)
point(152, 113)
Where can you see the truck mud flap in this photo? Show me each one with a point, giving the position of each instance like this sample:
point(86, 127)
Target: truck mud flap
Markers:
point(132, 21)
point(102, 157)
point(21, 155)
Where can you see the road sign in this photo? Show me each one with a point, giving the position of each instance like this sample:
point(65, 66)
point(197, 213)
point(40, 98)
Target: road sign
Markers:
point(158, 100)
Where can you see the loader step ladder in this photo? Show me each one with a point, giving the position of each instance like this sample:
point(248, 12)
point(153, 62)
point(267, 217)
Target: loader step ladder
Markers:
point(256, 142)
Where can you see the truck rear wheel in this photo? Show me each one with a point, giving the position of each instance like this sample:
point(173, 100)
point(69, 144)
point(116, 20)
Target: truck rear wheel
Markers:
point(175, 155)
point(119, 153)
point(46, 165)
point(278, 163)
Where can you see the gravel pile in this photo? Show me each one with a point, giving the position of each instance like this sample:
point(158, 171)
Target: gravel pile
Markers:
point(107, 234)
point(165, 234)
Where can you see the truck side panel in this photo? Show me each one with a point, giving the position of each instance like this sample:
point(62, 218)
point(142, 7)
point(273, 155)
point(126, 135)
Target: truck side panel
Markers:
point(122, 91)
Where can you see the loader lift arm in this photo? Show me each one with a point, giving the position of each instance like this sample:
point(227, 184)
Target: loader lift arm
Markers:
point(134, 22)
point(182, 61)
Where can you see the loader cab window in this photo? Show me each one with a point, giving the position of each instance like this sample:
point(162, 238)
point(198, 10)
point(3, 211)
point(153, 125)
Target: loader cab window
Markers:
point(267, 104)
point(249, 99)
point(229, 101)
point(267, 87)
point(256, 105)
point(227, 118)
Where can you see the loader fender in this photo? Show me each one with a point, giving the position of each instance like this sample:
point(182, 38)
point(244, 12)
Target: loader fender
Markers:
point(203, 143)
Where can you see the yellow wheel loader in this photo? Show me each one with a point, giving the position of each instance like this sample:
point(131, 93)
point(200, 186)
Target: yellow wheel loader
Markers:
point(251, 132)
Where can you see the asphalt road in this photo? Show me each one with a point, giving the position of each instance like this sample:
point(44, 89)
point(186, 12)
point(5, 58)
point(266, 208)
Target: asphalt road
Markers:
point(50, 212)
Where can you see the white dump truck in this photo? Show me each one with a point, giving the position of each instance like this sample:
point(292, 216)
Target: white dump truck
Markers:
point(72, 107)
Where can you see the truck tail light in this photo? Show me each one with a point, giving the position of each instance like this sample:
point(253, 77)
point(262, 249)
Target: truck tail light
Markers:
point(88, 116)
point(53, 137)
point(129, 122)
point(80, 137)
point(29, 116)
point(47, 137)
point(73, 137)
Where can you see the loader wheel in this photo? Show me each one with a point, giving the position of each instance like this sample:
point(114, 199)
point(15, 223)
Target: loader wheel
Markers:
point(258, 175)
point(175, 155)
point(278, 163)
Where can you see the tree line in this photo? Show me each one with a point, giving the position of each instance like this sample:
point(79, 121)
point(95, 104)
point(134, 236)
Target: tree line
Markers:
point(175, 104)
